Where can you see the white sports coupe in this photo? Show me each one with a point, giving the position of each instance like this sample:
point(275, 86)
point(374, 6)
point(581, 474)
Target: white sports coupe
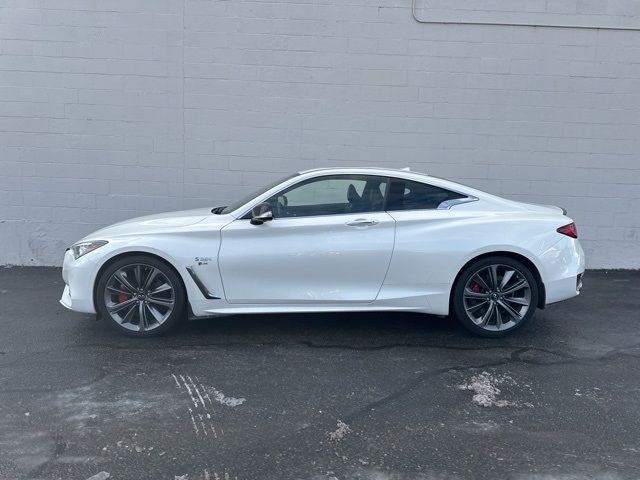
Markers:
point(328, 240)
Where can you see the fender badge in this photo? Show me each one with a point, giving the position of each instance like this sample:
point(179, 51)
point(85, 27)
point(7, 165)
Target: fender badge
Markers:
point(203, 260)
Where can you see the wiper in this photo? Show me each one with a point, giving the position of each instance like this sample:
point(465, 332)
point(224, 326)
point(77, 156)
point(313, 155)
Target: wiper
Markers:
point(218, 210)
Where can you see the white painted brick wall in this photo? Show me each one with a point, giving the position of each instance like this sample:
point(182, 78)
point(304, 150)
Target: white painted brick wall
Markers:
point(111, 109)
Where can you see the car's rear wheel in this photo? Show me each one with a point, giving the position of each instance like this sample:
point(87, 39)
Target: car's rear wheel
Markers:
point(140, 296)
point(495, 296)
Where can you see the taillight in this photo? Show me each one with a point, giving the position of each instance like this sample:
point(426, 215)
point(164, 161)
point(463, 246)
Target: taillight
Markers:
point(569, 230)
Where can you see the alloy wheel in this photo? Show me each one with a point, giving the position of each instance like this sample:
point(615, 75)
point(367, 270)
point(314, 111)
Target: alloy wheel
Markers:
point(139, 297)
point(497, 297)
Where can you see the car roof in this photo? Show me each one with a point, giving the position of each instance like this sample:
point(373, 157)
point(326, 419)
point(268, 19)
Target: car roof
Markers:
point(385, 170)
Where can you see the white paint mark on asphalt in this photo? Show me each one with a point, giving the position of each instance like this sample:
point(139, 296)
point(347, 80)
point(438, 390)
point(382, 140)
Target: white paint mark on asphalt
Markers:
point(202, 404)
point(181, 477)
point(486, 390)
point(204, 427)
point(222, 399)
point(206, 394)
point(100, 476)
point(197, 391)
point(188, 387)
point(193, 421)
point(340, 432)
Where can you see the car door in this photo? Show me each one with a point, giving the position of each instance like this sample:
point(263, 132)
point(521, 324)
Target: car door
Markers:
point(329, 242)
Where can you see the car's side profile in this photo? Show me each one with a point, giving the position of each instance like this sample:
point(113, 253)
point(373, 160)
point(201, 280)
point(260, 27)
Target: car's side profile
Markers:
point(349, 239)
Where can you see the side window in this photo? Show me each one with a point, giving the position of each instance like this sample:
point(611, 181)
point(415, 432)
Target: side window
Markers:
point(331, 195)
point(332, 191)
point(410, 195)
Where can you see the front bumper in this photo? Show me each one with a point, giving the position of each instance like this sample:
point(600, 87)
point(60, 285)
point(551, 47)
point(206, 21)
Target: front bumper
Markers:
point(78, 276)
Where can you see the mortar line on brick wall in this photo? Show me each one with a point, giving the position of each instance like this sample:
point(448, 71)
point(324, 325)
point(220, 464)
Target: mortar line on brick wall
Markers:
point(515, 24)
point(184, 127)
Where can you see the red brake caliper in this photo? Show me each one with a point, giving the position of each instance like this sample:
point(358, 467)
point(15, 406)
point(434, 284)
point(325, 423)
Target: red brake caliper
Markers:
point(475, 287)
point(121, 296)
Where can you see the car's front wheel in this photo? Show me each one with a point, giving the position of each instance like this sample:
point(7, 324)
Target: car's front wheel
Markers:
point(140, 296)
point(495, 296)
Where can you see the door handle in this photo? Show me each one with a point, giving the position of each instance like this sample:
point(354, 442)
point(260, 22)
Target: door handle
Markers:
point(362, 222)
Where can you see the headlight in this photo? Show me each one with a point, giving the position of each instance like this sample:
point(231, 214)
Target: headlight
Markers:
point(82, 248)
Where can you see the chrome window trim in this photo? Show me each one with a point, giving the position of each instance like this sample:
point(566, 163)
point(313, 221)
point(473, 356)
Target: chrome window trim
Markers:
point(447, 204)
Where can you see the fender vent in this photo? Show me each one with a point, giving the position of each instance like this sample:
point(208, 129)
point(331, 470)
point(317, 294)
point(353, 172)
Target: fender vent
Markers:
point(201, 286)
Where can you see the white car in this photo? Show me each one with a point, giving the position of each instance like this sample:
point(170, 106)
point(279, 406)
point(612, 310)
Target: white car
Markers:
point(329, 240)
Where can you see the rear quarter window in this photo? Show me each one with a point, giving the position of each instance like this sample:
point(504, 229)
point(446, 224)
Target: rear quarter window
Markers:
point(412, 195)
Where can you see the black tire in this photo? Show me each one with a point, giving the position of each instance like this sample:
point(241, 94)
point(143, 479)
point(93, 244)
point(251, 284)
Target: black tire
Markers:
point(496, 297)
point(164, 274)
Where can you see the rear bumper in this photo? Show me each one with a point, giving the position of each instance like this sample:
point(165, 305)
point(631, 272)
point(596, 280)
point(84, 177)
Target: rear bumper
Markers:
point(567, 262)
point(78, 276)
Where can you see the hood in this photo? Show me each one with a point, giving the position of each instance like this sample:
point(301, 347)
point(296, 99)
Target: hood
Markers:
point(155, 223)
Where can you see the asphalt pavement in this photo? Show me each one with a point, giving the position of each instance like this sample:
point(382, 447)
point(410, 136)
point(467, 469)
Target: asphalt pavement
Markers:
point(386, 396)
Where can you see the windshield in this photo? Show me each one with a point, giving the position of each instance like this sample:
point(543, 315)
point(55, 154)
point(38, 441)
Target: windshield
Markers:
point(236, 205)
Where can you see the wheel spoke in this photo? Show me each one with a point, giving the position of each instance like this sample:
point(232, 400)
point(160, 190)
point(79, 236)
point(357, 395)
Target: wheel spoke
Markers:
point(137, 272)
point(127, 316)
point(517, 300)
point(117, 290)
point(506, 278)
point(162, 288)
point(488, 314)
point(157, 301)
point(142, 324)
point(121, 276)
point(471, 294)
point(498, 318)
point(493, 276)
point(119, 306)
point(517, 286)
point(481, 282)
point(516, 315)
point(156, 314)
point(476, 307)
point(150, 278)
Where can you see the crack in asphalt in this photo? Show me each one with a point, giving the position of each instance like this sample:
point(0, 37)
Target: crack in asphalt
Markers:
point(515, 356)
point(306, 343)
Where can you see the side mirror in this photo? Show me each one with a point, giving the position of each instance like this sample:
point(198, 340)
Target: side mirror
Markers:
point(261, 213)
